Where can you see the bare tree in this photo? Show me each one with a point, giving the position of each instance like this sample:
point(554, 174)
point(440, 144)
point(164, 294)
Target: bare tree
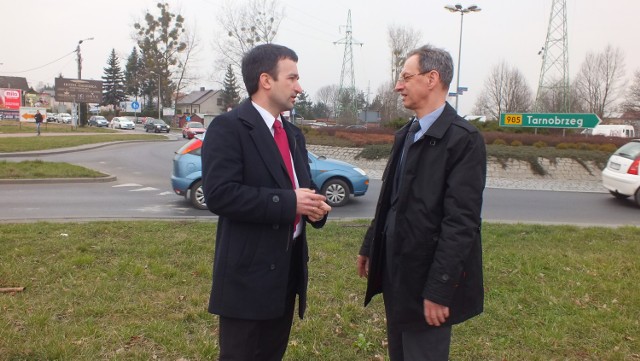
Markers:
point(505, 90)
point(184, 78)
point(632, 101)
point(600, 80)
point(328, 95)
point(402, 39)
point(246, 24)
point(389, 104)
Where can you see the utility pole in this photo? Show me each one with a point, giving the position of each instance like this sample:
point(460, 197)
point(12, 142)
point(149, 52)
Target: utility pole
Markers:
point(82, 113)
point(347, 90)
point(554, 74)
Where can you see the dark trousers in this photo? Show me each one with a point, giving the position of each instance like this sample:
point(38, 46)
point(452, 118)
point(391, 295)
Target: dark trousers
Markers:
point(431, 344)
point(261, 340)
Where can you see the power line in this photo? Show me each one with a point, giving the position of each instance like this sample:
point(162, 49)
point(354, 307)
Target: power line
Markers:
point(39, 67)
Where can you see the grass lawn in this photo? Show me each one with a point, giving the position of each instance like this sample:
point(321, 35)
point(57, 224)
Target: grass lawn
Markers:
point(38, 169)
point(139, 291)
point(23, 144)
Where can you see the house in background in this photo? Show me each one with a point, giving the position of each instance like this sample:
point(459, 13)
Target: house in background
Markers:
point(200, 102)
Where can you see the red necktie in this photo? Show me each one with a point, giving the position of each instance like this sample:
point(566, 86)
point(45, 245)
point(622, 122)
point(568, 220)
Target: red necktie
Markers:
point(283, 146)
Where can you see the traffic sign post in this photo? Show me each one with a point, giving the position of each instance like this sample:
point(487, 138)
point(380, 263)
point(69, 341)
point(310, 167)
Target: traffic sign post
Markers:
point(549, 120)
point(135, 105)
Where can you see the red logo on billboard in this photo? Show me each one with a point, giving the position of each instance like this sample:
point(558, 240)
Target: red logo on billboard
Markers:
point(10, 99)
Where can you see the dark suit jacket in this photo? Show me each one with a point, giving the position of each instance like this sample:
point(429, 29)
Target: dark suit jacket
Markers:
point(436, 253)
point(246, 184)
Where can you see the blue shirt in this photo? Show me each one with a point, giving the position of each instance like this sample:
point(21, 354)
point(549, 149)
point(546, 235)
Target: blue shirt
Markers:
point(427, 121)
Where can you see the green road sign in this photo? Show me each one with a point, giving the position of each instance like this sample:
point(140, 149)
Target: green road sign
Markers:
point(547, 120)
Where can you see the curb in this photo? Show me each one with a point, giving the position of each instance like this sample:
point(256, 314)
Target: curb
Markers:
point(37, 153)
point(109, 178)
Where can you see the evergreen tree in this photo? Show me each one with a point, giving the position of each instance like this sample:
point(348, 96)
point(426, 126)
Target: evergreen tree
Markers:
point(304, 106)
point(133, 74)
point(230, 94)
point(113, 88)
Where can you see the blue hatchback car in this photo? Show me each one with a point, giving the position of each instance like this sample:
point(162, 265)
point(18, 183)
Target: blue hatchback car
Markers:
point(337, 180)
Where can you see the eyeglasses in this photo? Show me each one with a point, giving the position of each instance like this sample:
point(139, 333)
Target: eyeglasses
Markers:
point(404, 78)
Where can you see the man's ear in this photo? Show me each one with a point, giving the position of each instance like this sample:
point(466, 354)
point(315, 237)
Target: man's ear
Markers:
point(265, 81)
point(433, 78)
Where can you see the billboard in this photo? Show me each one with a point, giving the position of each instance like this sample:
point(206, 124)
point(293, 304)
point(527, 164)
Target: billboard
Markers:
point(78, 90)
point(28, 114)
point(10, 99)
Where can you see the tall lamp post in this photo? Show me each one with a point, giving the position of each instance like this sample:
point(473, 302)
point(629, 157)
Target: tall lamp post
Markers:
point(462, 10)
point(82, 112)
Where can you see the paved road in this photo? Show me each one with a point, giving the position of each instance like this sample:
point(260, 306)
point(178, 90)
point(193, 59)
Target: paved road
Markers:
point(142, 191)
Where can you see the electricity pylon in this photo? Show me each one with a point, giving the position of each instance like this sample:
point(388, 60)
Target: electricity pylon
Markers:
point(553, 87)
point(345, 105)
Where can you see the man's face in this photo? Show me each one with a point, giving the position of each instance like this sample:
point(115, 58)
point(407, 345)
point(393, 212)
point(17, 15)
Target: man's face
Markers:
point(286, 88)
point(412, 84)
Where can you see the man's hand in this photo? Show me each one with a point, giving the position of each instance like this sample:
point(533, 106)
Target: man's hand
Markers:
point(434, 313)
point(363, 266)
point(310, 204)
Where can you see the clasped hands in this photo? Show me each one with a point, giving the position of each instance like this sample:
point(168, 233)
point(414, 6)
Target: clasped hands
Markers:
point(311, 204)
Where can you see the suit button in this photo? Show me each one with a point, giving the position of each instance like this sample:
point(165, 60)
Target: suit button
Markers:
point(445, 277)
point(272, 267)
point(276, 226)
point(275, 199)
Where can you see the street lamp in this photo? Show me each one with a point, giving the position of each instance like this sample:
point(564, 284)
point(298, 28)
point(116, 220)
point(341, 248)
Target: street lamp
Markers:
point(459, 9)
point(82, 112)
point(80, 57)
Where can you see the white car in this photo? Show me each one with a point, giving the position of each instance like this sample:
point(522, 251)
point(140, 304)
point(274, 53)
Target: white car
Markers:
point(64, 118)
point(122, 123)
point(621, 176)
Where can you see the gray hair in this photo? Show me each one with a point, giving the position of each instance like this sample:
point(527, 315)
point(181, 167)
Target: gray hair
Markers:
point(432, 58)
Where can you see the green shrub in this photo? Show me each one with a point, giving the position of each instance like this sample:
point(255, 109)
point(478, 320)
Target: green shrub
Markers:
point(516, 143)
point(375, 151)
point(540, 144)
point(608, 148)
point(499, 142)
point(565, 146)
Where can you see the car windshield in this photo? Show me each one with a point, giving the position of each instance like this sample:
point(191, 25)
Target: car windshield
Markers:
point(99, 117)
point(195, 125)
point(629, 150)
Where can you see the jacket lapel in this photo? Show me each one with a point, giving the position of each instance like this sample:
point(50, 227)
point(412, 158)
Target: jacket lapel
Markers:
point(266, 146)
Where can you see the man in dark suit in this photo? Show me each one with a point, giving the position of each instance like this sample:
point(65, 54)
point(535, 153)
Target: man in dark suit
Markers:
point(423, 250)
point(256, 178)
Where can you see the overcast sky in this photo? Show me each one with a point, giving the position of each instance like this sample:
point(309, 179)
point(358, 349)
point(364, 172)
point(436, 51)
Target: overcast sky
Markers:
point(40, 36)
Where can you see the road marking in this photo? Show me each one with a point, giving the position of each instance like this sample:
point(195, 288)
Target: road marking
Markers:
point(144, 189)
point(164, 193)
point(127, 185)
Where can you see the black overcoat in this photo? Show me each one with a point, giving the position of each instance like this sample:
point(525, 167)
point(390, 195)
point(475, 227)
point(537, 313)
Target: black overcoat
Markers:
point(247, 185)
point(437, 252)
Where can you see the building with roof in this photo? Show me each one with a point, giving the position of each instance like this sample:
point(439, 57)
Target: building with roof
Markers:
point(14, 82)
point(200, 102)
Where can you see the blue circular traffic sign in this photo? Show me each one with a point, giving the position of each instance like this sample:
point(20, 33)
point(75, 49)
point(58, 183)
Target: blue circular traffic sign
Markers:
point(135, 105)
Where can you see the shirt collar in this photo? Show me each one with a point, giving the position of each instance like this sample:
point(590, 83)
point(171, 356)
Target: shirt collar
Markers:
point(428, 120)
point(266, 116)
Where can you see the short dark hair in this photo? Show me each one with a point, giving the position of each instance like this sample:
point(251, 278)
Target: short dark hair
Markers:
point(263, 59)
point(432, 58)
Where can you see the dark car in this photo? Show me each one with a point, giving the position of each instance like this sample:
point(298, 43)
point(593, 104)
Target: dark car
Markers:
point(156, 126)
point(98, 121)
point(191, 129)
point(337, 180)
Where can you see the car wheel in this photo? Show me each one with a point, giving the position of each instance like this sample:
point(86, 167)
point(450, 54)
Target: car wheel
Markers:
point(620, 196)
point(197, 195)
point(636, 197)
point(336, 191)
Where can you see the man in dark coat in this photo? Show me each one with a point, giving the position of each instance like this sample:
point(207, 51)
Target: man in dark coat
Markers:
point(423, 248)
point(256, 178)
